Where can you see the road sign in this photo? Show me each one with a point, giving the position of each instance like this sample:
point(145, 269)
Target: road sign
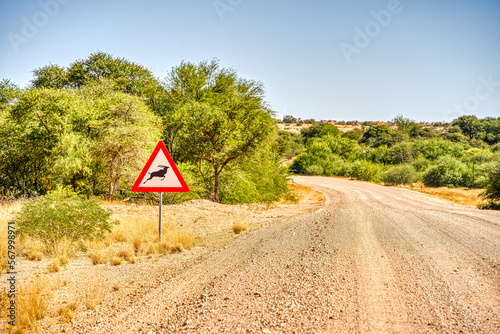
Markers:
point(160, 174)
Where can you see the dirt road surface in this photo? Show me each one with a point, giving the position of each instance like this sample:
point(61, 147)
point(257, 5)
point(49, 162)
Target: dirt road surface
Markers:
point(373, 259)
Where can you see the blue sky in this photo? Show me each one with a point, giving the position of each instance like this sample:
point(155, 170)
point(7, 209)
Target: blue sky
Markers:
point(338, 60)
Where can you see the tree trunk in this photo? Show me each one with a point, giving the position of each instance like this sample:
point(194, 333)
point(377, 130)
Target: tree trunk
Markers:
point(215, 196)
point(111, 191)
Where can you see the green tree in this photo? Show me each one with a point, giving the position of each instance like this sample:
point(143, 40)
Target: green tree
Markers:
point(377, 135)
point(404, 124)
point(122, 138)
point(328, 129)
point(50, 76)
point(470, 125)
point(127, 76)
point(30, 132)
point(288, 119)
point(434, 148)
point(217, 117)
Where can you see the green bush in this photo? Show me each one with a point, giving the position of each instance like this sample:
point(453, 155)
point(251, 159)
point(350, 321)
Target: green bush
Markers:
point(495, 148)
point(315, 170)
point(300, 164)
point(63, 216)
point(400, 153)
point(434, 148)
point(447, 172)
point(403, 174)
point(492, 187)
point(364, 170)
point(319, 149)
point(420, 164)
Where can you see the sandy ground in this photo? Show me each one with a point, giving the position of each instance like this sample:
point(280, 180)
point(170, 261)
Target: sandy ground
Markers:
point(114, 288)
point(372, 259)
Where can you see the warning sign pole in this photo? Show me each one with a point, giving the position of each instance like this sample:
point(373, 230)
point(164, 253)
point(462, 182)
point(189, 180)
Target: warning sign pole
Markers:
point(160, 175)
point(159, 225)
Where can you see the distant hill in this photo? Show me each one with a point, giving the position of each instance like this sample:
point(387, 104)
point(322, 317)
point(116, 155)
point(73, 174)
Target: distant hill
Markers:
point(351, 125)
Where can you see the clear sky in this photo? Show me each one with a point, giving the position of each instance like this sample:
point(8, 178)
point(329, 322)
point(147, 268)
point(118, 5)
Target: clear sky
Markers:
point(338, 60)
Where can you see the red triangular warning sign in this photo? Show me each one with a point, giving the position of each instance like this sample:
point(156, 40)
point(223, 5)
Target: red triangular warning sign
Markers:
point(160, 174)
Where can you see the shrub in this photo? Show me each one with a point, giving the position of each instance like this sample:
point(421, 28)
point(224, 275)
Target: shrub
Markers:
point(332, 167)
point(400, 153)
point(495, 148)
point(404, 174)
point(61, 216)
point(447, 172)
point(364, 170)
point(420, 164)
point(492, 187)
point(434, 148)
point(239, 227)
point(300, 164)
point(319, 149)
point(314, 170)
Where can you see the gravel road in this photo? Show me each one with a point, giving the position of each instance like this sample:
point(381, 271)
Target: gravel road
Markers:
point(373, 260)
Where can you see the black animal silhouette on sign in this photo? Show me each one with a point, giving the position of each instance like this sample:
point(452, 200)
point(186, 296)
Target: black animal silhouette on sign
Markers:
point(159, 173)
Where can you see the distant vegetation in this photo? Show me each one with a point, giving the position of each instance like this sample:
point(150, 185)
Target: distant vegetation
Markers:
point(92, 126)
point(465, 153)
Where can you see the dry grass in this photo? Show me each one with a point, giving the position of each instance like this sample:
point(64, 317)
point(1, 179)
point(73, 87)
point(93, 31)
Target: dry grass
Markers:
point(3, 249)
point(58, 262)
point(462, 196)
point(67, 312)
point(303, 193)
point(239, 227)
point(31, 305)
point(93, 294)
point(138, 236)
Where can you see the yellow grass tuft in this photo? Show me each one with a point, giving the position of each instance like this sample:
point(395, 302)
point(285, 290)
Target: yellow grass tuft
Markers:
point(93, 294)
point(303, 194)
point(58, 262)
point(126, 253)
point(116, 260)
point(67, 312)
point(239, 227)
point(31, 305)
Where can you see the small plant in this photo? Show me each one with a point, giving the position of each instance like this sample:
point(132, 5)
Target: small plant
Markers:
point(239, 227)
point(126, 254)
point(98, 256)
point(93, 295)
point(67, 312)
point(116, 260)
point(116, 287)
point(61, 216)
point(58, 262)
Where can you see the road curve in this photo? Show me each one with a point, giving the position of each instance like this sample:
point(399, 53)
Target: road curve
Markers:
point(373, 260)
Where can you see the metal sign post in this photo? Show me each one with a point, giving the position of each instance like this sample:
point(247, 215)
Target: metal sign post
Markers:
point(159, 226)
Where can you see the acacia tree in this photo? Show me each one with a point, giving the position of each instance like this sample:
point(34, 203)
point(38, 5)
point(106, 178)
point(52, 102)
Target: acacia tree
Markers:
point(123, 135)
point(224, 117)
